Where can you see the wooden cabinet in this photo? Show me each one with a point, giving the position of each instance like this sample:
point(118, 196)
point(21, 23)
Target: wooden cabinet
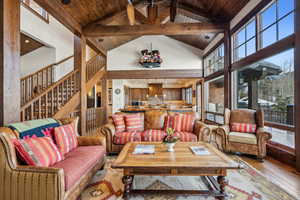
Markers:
point(172, 94)
point(155, 89)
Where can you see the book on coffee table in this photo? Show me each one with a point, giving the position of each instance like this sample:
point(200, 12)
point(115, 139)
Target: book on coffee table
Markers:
point(144, 149)
point(200, 151)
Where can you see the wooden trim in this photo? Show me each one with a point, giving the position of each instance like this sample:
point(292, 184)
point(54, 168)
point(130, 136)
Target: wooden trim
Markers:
point(214, 75)
point(215, 113)
point(36, 13)
point(213, 48)
point(152, 74)
point(297, 83)
point(280, 126)
point(281, 153)
point(267, 52)
point(10, 92)
point(250, 15)
point(227, 67)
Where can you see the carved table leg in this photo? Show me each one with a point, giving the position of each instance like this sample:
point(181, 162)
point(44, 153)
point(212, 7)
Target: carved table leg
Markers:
point(127, 180)
point(222, 182)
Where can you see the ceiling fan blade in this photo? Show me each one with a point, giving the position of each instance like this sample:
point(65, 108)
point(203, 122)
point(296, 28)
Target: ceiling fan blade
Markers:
point(130, 13)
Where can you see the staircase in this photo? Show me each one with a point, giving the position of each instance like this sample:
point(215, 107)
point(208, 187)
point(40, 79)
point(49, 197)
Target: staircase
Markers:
point(42, 96)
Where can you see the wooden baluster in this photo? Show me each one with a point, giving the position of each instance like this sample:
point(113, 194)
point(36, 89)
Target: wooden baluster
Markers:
point(46, 104)
point(31, 111)
point(39, 108)
point(52, 102)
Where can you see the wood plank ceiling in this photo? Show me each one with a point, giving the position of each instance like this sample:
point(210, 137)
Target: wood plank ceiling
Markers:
point(29, 44)
point(188, 11)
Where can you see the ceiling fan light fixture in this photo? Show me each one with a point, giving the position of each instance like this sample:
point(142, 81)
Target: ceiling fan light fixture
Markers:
point(207, 37)
point(66, 2)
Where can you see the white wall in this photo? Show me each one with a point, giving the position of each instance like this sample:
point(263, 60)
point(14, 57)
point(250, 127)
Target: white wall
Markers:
point(118, 99)
point(35, 60)
point(53, 35)
point(175, 54)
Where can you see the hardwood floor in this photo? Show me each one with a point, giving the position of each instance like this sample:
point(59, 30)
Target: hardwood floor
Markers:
point(281, 174)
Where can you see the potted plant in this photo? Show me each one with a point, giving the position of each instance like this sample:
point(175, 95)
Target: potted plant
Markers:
point(170, 140)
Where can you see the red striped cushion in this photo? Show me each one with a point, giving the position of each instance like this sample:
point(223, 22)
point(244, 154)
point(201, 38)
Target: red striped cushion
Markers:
point(39, 151)
point(173, 122)
point(65, 137)
point(243, 127)
point(123, 138)
point(187, 123)
point(153, 135)
point(186, 136)
point(119, 123)
point(134, 122)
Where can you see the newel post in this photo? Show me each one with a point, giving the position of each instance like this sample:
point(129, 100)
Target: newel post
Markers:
point(80, 64)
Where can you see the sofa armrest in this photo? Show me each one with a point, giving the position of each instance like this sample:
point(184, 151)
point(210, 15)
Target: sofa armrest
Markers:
point(223, 132)
point(46, 183)
point(27, 182)
point(91, 140)
point(262, 138)
point(108, 131)
point(202, 131)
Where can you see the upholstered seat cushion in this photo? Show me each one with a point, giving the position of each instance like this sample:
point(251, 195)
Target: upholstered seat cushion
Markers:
point(153, 135)
point(186, 136)
point(246, 138)
point(78, 162)
point(124, 137)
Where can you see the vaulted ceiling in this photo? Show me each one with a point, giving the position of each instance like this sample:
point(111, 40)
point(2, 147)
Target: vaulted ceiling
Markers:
point(113, 12)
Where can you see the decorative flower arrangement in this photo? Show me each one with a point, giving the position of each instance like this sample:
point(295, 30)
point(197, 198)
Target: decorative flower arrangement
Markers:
point(170, 138)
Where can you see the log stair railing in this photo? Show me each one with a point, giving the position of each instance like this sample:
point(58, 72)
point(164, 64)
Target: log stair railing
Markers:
point(34, 84)
point(63, 96)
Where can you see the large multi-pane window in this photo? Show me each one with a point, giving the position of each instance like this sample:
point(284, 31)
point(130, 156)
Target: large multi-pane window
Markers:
point(214, 99)
point(214, 61)
point(245, 41)
point(269, 85)
point(276, 22)
point(272, 24)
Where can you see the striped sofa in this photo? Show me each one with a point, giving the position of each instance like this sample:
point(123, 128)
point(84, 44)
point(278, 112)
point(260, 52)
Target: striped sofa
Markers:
point(64, 180)
point(153, 130)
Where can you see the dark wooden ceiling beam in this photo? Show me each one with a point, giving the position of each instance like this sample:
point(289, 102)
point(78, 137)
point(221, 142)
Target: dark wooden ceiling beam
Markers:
point(155, 29)
point(173, 10)
point(140, 17)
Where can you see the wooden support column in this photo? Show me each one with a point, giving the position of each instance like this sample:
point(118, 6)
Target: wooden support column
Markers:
point(104, 98)
point(10, 61)
point(227, 68)
point(80, 64)
point(297, 84)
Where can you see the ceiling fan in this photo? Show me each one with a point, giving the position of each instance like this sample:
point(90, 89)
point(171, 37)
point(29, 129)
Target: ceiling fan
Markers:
point(152, 10)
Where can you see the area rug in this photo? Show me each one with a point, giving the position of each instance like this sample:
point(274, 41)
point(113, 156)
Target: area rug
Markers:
point(244, 184)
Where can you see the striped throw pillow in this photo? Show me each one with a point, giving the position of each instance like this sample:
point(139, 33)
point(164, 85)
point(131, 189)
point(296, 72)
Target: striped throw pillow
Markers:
point(134, 122)
point(187, 122)
point(39, 151)
point(243, 127)
point(119, 123)
point(173, 121)
point(65, 137)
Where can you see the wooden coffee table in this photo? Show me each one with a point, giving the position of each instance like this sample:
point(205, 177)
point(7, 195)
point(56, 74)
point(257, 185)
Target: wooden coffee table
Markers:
point(182, 162)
